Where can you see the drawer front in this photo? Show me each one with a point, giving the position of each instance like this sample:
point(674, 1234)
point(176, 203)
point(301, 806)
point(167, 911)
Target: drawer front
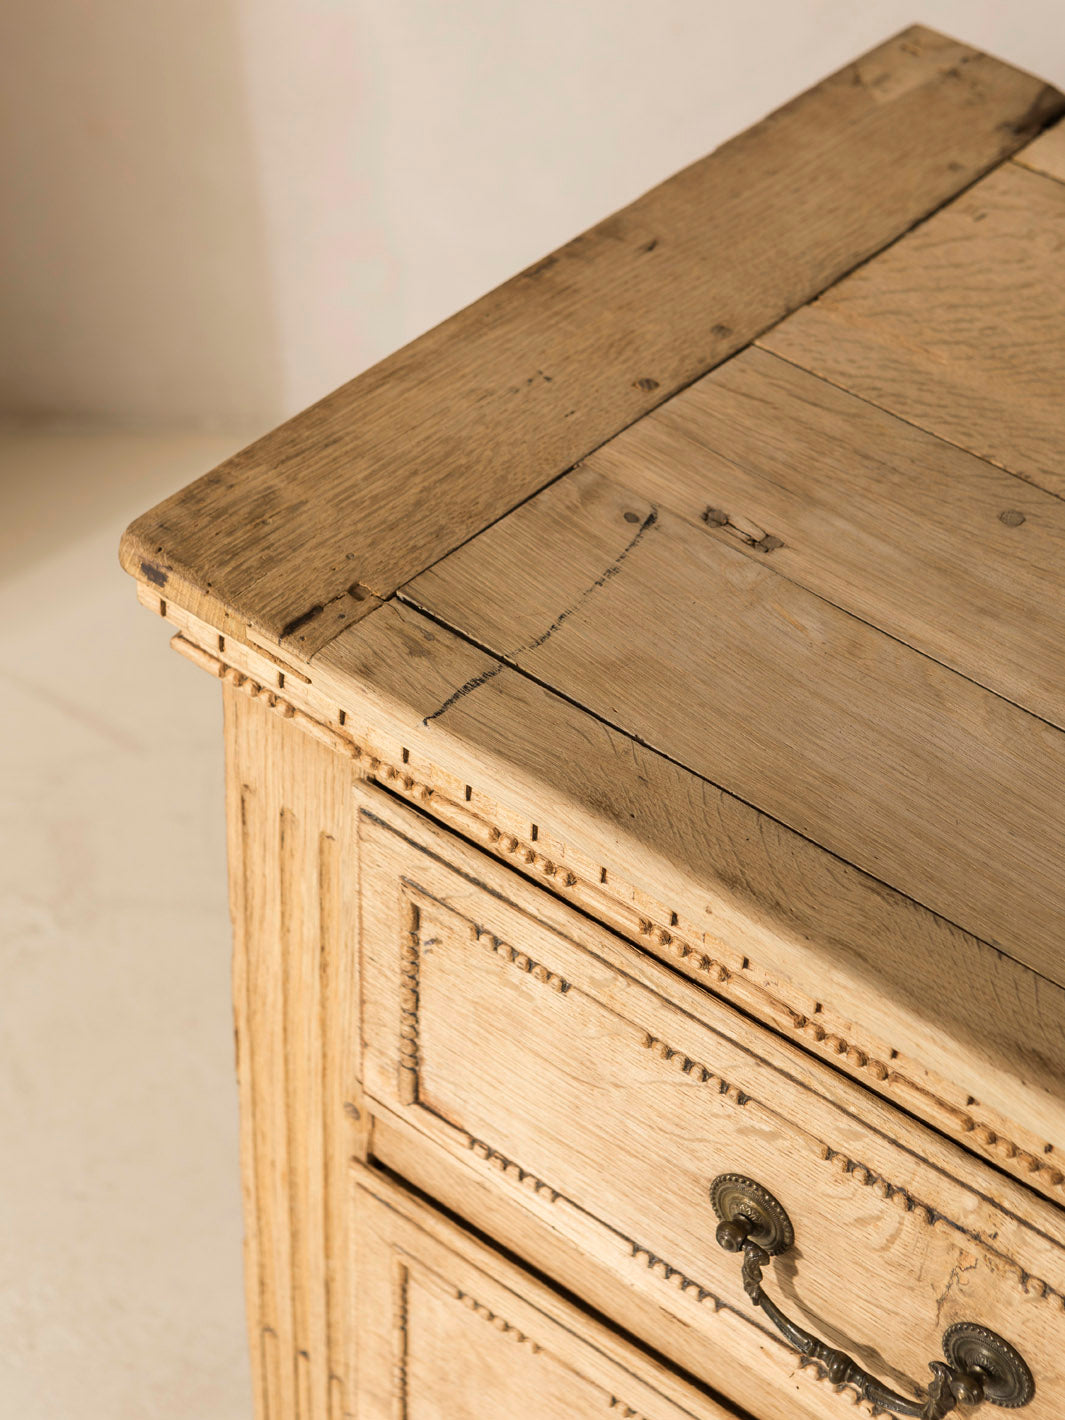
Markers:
point(447, 1328)
point(608, 1094)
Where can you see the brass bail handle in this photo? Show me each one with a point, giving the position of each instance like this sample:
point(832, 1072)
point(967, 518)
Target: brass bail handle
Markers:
point(979, 1364)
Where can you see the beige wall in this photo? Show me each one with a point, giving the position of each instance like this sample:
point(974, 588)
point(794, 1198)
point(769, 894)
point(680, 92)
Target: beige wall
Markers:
point(216, 210)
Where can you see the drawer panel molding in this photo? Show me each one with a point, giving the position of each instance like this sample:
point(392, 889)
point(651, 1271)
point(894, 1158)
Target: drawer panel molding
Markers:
point(444, 1325)
point(543, 854)
point(607, 1093)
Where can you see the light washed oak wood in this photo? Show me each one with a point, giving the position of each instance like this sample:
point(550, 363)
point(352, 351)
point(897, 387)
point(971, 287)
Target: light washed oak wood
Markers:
point(960, 327)
point(607, 1279)
point(936, 547)
point(642, 856)
point(798, 939)
point(605, 1092)
point(1047, 154)
point(293, 896)
point(303, 530)
point(892, 762)
point(448, 1327)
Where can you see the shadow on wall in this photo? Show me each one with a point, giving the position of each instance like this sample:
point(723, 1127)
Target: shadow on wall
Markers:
point(134, 277)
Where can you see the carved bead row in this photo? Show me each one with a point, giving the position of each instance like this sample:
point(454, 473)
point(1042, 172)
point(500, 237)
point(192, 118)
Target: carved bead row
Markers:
point(900, 1198)
point(410, 968)
point(521, 960)
point(994, 1143)
point(679, 1061)
point(511, 1169)
point(509, 843)
point(673, 1275)
point(494, 1319)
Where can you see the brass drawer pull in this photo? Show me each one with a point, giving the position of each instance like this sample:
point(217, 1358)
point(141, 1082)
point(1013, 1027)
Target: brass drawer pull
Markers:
point(980, 1365)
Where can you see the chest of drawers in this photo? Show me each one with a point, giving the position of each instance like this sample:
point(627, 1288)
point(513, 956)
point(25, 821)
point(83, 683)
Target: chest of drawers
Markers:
point(645, 725)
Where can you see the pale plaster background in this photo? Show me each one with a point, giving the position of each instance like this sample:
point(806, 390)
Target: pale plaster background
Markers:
point(215, 210)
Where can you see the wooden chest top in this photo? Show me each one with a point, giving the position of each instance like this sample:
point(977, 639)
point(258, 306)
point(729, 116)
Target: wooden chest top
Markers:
point(720, 551)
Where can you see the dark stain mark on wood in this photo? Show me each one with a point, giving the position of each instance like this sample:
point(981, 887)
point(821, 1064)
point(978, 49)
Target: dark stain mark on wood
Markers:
point(355, 592)
point(1042, 111)
point(645, 383)
point(747, 533)
point(155, 575)
point(474, 683)
point(301, 620)
point(541, 266)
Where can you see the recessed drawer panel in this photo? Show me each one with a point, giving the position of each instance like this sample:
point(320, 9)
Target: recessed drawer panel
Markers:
point(446, 1328)
point(609, 1095)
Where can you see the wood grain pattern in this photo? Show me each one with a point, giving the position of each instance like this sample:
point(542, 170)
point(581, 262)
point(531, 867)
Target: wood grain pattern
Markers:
point(448, 1327)
point(579, 1263)
point(739, 772)
point(960, 327)
point(306, 528)
point(930, 544)
point(817, 950)
point(1047, 154)
point(627, 1092)
point(887, 759)
point(293, 903)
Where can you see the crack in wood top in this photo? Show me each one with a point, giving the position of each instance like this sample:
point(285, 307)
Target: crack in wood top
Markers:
point(606, 899)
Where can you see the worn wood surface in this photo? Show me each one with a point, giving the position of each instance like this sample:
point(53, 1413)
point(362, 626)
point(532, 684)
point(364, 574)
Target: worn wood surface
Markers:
point(936, 547)
point(959, 327)
point(293, 895)
point(609, 1094)
point(607, 1278)
point(849, 969)
point(302, 531)
point(1047, 154)
point(892, 762)
point(447, 1327)
point(769, 686)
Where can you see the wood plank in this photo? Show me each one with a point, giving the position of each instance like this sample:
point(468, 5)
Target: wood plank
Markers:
point(930, 544)
point(447, 1326)
point(960, 327)
point(293, 902)
point(609, 1093)
point(1047, 154)
point(745, 906)
point(472, 1193)
point(887, 759)
point(354, 496)
point(829, 958)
